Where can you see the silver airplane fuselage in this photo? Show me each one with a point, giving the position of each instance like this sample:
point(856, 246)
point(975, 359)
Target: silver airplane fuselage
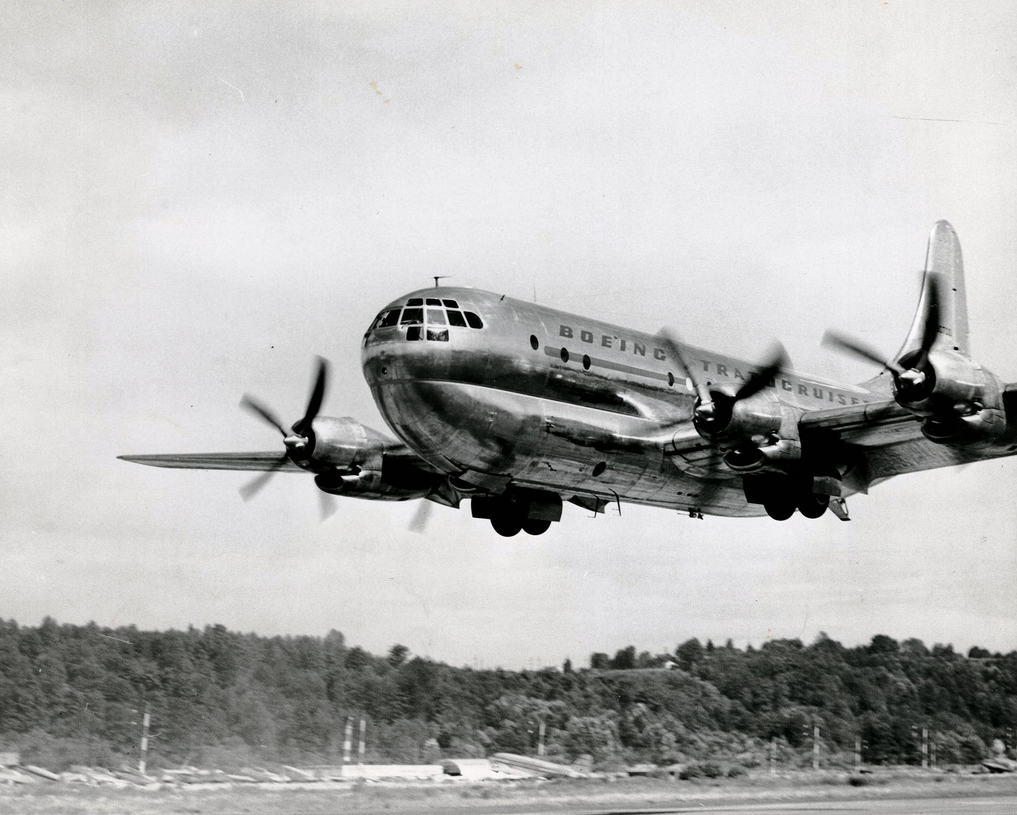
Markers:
point(554, 401)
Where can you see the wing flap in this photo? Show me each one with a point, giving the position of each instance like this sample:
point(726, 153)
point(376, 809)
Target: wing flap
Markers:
point(872, 424)
point(216, 461)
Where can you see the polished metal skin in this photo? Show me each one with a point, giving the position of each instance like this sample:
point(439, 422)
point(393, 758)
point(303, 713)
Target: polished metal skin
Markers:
point(520, 407)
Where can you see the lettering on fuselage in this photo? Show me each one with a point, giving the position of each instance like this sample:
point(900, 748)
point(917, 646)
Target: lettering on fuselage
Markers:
point(609, 340)
point(785, 384)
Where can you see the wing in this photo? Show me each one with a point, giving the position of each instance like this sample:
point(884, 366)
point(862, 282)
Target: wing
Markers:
point(218, 461)
point(881, 439)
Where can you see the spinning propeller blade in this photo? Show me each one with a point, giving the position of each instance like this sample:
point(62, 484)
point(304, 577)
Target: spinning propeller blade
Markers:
point(295, 441)
point(915, 374)
point(422, 516)
point(253, 487)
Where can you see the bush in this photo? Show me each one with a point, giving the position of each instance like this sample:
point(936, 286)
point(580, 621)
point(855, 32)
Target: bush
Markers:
point(736, 772)
point(690, 772)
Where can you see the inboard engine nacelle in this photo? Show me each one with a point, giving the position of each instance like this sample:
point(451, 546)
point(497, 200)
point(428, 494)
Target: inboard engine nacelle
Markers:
point(959, 401)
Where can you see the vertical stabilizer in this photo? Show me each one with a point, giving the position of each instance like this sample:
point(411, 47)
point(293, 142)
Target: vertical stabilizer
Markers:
point(943, 261)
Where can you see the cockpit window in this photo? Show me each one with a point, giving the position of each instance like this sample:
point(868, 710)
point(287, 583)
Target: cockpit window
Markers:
point(412, 316)
point(439, 314)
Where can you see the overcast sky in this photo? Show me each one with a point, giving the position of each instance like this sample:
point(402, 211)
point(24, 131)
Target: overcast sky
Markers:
point(197, 197)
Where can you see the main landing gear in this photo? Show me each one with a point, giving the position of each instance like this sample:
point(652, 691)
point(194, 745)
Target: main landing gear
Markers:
point(528, 511)
point(781, 496)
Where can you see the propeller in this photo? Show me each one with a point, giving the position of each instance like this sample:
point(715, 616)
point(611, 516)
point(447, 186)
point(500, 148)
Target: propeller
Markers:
point(298, 441)
point(421, 517)
point(713, 408)
point(328, 505)
point(912, 377)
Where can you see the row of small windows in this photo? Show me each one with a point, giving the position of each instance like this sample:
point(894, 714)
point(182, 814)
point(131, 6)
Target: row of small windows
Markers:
point(587, 362)
point(438, 313)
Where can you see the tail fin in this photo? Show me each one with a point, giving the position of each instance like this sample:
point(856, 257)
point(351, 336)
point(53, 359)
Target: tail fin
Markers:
point(944, 261)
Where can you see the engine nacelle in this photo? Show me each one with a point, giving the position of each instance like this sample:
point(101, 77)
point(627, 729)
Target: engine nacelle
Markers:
point(960, 401)
point(352, 459)
point(343, 444)
point(757, 431)
point(375, 485)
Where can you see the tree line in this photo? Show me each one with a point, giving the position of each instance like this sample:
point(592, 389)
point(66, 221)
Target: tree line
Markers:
point(73, 694)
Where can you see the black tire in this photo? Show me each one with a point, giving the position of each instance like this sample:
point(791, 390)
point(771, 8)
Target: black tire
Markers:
point(507, 524)
point(812, 505)
point(780, 507)
point(533, 526)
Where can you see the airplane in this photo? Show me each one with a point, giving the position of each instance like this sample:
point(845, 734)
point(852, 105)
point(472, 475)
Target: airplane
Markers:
point(520, 408)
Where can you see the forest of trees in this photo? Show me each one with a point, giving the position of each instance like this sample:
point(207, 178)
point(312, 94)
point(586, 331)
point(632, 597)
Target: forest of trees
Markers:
point(73, 694)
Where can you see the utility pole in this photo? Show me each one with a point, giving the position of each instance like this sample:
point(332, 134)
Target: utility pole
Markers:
point(815, 747)
point(925, 748)
point(858, 753)
point(347, 744)
point(145, 722)
point(540, 739)
point(773, 755)
point(361, 748)
point(933, 752)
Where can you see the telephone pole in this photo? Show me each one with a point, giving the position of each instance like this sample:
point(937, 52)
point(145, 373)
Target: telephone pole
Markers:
point(347, 744)
point(145, 722)
point(815, 747)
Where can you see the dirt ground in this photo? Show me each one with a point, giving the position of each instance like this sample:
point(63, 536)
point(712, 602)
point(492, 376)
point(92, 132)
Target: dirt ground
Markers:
point(498, 798)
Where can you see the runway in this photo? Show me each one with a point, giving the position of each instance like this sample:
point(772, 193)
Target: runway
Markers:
point(1006, 805)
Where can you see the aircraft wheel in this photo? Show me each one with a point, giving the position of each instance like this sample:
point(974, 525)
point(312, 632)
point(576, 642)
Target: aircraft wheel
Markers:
point(532, 526)
point(780, 506)
point(507, 524)
point(812, 505)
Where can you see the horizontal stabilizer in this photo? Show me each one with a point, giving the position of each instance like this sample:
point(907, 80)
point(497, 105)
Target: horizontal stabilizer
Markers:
point(217, 461)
